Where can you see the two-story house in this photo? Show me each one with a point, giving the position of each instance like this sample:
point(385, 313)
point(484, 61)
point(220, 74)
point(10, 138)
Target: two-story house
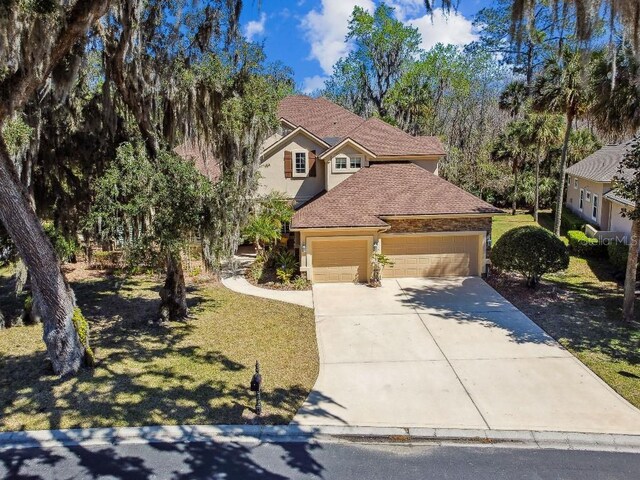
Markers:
point(361, 186)
point(590, 194)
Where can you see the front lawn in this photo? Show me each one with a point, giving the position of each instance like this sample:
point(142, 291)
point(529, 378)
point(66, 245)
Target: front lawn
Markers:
point(196, 372)
point(582, 309)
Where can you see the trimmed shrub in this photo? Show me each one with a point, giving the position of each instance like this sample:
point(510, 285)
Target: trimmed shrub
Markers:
point(618, 254)
point(583, 246)
point(530, 251)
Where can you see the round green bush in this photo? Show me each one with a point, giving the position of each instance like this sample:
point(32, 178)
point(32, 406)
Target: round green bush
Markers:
point(530, 251)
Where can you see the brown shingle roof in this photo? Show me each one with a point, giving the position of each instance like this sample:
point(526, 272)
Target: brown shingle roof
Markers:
point(385, 190)
point(332, 122)
point(321, 117)
point(206, 164)
point(601, 166)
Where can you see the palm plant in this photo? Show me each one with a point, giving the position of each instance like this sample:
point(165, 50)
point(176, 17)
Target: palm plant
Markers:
point(512, 147)
point(543, 131)
point(514, 98)
point(262, 230)
point(560, 89)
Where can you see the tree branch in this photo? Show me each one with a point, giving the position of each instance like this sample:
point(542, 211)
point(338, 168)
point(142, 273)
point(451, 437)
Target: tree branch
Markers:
point(18, 88)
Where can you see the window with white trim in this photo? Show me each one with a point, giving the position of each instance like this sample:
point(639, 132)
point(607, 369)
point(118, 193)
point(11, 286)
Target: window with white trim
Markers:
point(581, 199)
point(347, 164)
point(588, 196)
point(355, 162)
point(300, 164)
point(341, 163)
point(594, 210)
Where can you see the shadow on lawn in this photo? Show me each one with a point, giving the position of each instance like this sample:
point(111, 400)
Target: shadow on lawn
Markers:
point(135, 381)
point(582, 315)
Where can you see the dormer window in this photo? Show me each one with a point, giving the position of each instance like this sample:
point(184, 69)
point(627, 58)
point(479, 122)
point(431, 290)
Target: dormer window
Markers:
point(341, 163)
point(347, 164)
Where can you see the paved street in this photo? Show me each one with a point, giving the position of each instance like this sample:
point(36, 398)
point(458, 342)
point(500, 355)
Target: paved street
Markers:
point(449, 353)
point(317, 460)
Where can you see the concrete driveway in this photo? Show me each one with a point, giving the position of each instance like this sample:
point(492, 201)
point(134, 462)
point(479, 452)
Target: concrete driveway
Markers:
point(449, 353)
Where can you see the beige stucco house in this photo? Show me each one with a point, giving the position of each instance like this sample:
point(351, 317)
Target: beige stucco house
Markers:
point(590, 194)
point(361, 186)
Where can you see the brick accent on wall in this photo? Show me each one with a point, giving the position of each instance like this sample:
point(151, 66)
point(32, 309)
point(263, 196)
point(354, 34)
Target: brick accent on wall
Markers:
point(439, 225)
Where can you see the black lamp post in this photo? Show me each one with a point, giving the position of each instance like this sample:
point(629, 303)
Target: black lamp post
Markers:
point(256, 386)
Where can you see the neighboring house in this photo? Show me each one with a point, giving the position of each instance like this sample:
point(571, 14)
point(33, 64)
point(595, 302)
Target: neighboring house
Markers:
point(361, 186)
point(590, 194)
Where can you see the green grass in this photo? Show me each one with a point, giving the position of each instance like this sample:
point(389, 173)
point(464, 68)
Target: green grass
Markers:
point(582, 309)
point(193, 372)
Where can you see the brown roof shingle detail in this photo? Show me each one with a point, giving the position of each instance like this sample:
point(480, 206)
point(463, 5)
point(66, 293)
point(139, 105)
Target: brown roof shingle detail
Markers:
point(386, 140)
point(327, 120)
point(321, 117)
point(206, 164)
point(385, 190)
point(601, 166)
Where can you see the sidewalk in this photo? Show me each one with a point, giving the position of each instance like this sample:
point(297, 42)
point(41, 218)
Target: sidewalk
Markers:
point(241, 285)
point(257, 434)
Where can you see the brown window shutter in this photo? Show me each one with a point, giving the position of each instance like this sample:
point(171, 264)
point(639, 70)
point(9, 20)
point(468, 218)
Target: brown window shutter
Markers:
point(288, 164)
point(312, 163)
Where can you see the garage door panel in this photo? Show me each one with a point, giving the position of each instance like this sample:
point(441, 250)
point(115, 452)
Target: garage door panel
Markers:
point(431, 255)
point(339, 261)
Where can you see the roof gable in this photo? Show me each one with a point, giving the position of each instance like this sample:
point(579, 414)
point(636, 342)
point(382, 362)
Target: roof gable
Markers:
point(289, 138)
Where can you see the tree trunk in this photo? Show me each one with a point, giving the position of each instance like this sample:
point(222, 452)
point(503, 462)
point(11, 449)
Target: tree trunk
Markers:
point(563, 168)
point(514, 204)
point(630, 277)
point(55, 300)
point(174, 293)
point(536, 202)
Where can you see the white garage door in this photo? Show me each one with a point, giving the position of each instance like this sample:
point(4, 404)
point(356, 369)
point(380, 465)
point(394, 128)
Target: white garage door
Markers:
point(432, 255)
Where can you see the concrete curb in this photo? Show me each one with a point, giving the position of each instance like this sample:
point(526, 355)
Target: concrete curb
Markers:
point(337, 434)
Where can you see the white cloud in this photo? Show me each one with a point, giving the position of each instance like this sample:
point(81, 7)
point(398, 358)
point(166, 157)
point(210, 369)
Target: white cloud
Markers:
point(311, 84)
point(255, 28)
point(407, 8)
point(325, 30)
point(452, 29)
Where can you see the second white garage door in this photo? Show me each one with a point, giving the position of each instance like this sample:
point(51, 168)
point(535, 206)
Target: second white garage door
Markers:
point(432, 255)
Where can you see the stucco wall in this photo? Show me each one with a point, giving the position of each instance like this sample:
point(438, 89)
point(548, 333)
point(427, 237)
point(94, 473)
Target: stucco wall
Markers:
point(299, 188)
point(597, 188)
point(618, 223)
point(459, 224)
point(333, 177)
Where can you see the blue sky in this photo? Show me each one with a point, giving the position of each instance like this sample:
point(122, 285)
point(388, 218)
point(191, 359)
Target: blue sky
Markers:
point(308, 35)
